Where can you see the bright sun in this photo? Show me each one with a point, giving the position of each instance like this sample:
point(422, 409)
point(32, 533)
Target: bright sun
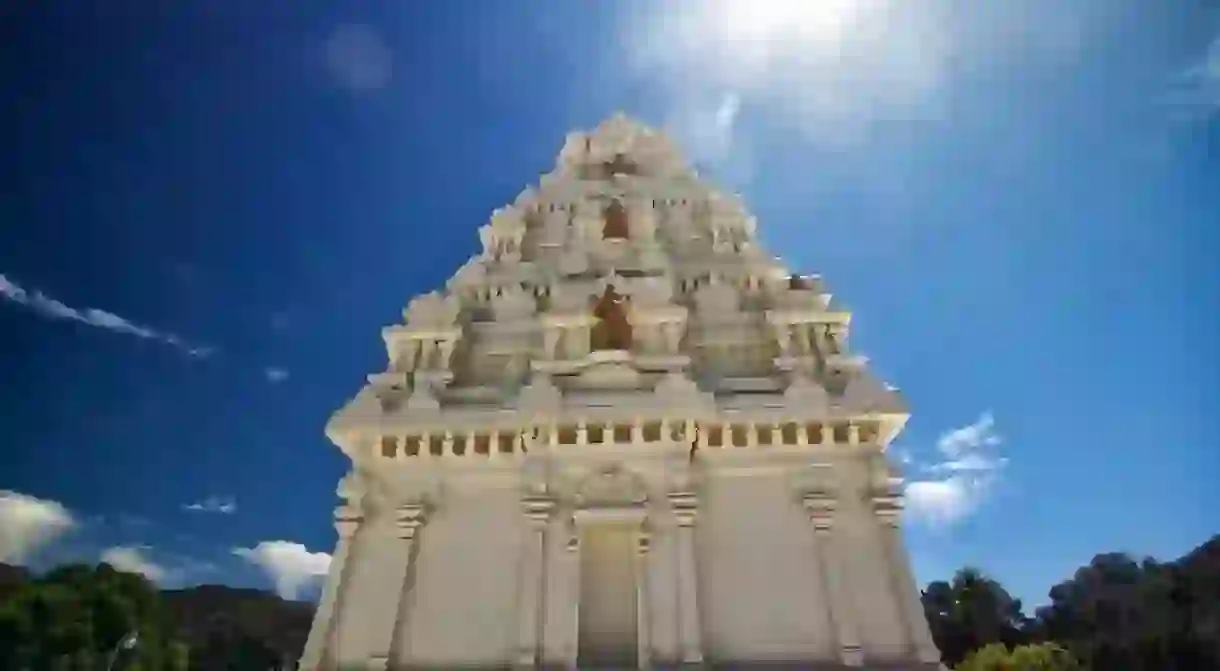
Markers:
point(754, 20)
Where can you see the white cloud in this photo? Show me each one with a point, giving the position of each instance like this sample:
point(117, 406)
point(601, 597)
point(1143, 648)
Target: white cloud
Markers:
point(289, 565)
point(225, 505)
point(706, 130)
point(275, 374)
point(963, 477)
point(132, 559)
point(49, 307)
point(28, 523)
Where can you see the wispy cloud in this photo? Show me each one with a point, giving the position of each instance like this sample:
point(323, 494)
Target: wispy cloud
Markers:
point(291, 566)
point(28, 524)
point(958, 482)
point(134, 559)
point(358, 59)
point(705, 127)
point(224, 505)
point(168, 569)
point(276, 374)
point(1195, 91)
point(51, 308)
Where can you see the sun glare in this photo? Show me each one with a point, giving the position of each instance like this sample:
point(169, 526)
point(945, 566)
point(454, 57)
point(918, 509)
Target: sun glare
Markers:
point(814, 20)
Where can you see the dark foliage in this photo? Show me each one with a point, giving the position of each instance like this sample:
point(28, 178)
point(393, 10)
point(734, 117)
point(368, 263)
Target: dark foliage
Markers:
point(74, 617)
point(1115, 613)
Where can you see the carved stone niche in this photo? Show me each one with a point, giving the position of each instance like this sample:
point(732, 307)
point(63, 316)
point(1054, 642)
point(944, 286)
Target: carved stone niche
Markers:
point(613, 138)
point(805, 396)
point(717, 299)
point(513, 304)
point(652, 292)
point(588, 221)
point(471, 275)
point(642, 219)
point(502, 237)
point(611, 486)
point(433, 311)
point(360, 493)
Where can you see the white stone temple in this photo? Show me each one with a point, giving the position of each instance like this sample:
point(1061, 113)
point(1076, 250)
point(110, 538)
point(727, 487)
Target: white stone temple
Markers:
point(622, 436)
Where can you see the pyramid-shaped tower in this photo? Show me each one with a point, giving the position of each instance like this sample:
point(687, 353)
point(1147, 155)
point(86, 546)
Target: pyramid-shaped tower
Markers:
point(622, 436)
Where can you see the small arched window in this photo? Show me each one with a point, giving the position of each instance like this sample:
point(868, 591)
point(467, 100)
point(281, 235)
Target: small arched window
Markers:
point(615, 226)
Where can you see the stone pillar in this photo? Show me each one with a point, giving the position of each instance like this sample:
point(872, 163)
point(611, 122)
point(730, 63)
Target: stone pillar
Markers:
point(783, 338)
point(906, 595)
point(572, 640)
point(426, 359)
point(321, 632)
point(550, 337)
point(637, 431)
point(529, 613)
point(493, 444)
point(685, 505)
point(643, 610)
point(821, 508)
point(389, 604)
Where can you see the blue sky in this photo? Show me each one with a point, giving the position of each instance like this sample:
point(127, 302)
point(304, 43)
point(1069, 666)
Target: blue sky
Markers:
point(1019, 200)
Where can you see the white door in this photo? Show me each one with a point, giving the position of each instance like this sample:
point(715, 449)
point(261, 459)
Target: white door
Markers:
point(607, 597)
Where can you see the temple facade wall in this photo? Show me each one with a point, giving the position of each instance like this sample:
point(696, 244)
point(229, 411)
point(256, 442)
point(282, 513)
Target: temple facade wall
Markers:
point(759, 584)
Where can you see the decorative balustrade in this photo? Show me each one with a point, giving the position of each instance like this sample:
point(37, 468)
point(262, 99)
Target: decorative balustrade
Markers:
point(492, 445)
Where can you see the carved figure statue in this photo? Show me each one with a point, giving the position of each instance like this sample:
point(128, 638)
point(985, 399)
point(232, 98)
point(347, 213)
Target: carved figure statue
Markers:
point(613, 330)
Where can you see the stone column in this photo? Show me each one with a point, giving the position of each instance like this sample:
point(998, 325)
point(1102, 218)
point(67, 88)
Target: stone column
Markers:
point(446, 353)
point(643, 610)
point(321, 632)
point(783, 338)
point(685, 505)
point(906, 595)
point(821, 508)
point(537, 511)
point(427, 361)
point(572, 555)
point(389, 604)
point(637, 431)
point(550, 338)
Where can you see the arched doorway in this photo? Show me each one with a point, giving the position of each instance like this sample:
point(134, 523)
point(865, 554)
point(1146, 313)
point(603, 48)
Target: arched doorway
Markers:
point(613, 330)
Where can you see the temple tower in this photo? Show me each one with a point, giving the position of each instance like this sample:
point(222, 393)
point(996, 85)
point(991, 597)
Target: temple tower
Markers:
point(622, 436)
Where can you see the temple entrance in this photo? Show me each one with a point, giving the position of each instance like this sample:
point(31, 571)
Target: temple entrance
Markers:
point(608, 625)
point(613, 330)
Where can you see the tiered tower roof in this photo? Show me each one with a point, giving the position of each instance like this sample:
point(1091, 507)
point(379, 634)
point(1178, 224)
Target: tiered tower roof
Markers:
point(619, 299)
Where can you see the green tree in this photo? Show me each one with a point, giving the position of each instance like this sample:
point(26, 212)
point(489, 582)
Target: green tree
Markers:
point(970, 612)
point(75, 616)
point(1033, 657)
